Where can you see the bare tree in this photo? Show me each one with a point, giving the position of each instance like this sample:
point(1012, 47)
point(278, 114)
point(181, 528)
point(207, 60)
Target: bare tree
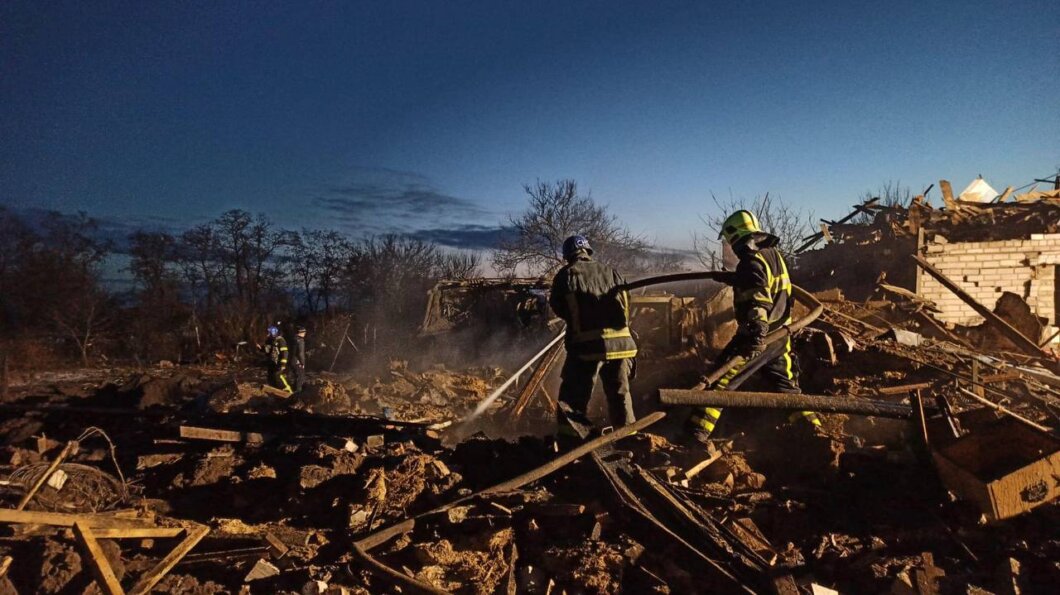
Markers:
point(787, 222)
point(317, 260)
point(460, 265)
point(890, 194)
point(556, 211)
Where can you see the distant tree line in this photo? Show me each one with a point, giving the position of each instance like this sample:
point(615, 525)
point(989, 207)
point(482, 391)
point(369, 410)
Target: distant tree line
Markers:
point(210, 287)
point(204, 289)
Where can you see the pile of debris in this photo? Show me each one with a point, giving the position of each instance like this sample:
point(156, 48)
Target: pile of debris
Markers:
point(934, 470)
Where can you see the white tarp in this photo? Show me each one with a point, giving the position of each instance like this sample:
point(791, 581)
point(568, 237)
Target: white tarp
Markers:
point(978, 191)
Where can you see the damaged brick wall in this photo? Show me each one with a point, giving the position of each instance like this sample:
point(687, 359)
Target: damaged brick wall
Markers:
point(1026, 267)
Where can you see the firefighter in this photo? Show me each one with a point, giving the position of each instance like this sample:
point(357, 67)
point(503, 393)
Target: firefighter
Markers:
point(762, 303)
point(598, 341)
point(275, 350)
point(298, 359)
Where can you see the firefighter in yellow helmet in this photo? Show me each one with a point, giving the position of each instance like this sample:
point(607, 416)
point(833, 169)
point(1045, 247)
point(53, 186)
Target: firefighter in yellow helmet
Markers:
point(762, 303)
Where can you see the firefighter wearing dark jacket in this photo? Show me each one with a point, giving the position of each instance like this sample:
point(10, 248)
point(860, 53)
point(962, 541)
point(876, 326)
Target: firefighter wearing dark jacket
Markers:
point(298, 360)
point(762, 304)
point(598, 340)
point(275, 350)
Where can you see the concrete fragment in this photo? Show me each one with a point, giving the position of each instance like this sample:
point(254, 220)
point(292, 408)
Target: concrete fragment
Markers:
point(374, 441)
point(262, 569)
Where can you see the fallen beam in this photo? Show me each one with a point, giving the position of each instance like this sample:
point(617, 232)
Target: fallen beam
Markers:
point(536, 379)
point(796, 402)
point(196, 433)
point(60, 519)
point(1006, 411)
point(484, 404)
point(904, 388)
point(156, 574)
point(101, 569)
point(1023, 343)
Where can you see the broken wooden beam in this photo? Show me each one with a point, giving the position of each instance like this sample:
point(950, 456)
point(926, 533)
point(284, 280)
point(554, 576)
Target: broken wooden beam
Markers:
point(149, 580)
point(904, 388)
point(1006, 411)
point(1023, 343)
point(858, 209)
point(101, 569)
point(536, 379)
point(61, 519)
point(197, 433)
point(795, 402)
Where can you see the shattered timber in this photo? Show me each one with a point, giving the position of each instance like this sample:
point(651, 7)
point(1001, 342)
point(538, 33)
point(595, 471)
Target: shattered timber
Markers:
point(930, 353)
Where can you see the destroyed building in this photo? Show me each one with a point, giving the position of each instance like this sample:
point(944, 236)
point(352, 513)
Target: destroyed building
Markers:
point(934, 470)
point(1005, 245)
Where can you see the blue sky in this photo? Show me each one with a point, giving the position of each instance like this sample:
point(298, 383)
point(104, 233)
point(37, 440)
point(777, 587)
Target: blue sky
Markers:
point(427, 117)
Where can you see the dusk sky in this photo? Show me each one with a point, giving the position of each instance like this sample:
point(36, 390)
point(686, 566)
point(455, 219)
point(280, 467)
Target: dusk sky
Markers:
point(427, 117)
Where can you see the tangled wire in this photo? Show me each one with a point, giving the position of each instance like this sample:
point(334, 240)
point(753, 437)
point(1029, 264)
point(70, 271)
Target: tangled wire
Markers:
point(86, 488)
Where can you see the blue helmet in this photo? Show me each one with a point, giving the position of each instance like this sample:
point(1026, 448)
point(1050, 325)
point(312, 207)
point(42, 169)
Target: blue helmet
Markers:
point(274, 331)
point(575, 244)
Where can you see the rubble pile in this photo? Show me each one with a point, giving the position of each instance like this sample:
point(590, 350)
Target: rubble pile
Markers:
point(185, 479)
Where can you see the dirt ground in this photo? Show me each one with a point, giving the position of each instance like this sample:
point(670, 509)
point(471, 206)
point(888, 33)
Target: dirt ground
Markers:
point(855, 505)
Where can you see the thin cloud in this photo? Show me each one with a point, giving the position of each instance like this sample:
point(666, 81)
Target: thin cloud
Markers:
point(470, 237)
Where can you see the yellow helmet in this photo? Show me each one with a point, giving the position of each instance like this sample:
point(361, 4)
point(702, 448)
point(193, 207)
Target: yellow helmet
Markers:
point(738, 226)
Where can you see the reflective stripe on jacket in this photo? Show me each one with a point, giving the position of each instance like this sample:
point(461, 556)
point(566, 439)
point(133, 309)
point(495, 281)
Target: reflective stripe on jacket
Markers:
point(597, 317)
point(762, 292)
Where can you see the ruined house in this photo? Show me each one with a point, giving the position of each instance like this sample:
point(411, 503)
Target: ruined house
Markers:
point(1004, 245)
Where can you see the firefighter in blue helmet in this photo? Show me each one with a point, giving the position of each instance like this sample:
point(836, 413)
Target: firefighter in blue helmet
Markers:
point(762, 303)
point(275, 350)
point(598, 340)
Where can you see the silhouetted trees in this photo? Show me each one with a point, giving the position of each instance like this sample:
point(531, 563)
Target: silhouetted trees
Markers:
point(556, 210)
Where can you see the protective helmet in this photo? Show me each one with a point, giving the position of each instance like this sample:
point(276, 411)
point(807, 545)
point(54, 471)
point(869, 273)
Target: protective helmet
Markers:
point(299, 330)
point(274, 331)
point(574, 244)
point(738, 226)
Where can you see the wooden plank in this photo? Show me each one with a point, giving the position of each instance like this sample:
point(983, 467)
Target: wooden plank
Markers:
point(1007, 411)
point(136, 532)
point(1023, 343)
point(197, 433)
point(827, 235)
point(904, 388)
point(947, 194)
point(1004, 195)
point(98, 563)
point(5, 564)
point(59, 519)
point(149, 580)
point(70, 447)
